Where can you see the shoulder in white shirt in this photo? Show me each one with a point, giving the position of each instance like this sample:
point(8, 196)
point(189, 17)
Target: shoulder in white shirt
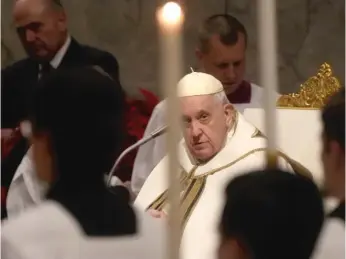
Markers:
point(48, 231)
point(331, 243)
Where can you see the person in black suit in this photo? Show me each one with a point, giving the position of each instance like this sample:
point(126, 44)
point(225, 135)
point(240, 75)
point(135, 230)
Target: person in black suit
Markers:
point(42, 29)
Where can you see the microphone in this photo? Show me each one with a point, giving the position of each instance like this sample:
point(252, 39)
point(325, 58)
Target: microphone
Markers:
point(142, 141)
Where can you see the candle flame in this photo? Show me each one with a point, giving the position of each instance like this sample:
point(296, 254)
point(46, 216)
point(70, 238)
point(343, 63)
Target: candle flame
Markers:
point(170, 14)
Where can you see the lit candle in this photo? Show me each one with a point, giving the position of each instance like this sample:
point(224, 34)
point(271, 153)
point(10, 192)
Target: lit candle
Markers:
point(268, 71)
point(170, 19)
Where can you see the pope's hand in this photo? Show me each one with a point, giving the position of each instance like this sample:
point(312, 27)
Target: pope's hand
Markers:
point(157, 214)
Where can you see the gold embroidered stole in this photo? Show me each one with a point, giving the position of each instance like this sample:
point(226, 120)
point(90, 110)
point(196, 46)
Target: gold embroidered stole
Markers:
point(192, 190)
point(193, 186)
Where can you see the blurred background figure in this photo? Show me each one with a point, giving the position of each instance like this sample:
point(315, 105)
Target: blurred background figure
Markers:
point(72, 162)
point(42, 29)
point(221, 52)
point(270, 214)
point(332, 241)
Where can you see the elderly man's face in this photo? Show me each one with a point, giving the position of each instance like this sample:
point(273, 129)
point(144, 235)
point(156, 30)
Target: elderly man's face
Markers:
point(226, 63)
point(206, 122)
point(41, 29)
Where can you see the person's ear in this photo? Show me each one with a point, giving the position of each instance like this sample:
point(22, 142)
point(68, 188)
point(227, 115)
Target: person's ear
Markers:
point(230, 113)
point(199, 54)
point(337, 152)
point(62, 21)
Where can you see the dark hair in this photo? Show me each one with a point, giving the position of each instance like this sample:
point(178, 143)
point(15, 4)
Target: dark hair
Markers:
point(82, 110)
point(224, 25)
point(274, 214)
point(333, 118)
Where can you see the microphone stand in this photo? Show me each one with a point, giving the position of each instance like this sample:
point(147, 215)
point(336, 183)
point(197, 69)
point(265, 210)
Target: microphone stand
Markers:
point(139, 143)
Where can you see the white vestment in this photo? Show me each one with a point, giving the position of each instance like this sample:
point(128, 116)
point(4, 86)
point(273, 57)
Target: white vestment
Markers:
point(27, 190)
point(331, 243)
point(203, 194)
point(48, 231)
point(151, 153)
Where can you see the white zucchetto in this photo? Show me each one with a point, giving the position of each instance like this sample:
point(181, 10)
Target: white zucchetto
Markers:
point(197, 83)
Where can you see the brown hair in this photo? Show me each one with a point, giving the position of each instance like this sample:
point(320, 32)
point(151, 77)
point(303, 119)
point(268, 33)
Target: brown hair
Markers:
point(333, 118)
point(224, 25)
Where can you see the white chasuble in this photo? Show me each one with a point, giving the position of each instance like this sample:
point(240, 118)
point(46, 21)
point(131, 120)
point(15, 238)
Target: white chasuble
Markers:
point(151, 153)
point(202, 196)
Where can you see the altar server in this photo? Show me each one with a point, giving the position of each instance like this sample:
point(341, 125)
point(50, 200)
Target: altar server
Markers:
point(75, 127)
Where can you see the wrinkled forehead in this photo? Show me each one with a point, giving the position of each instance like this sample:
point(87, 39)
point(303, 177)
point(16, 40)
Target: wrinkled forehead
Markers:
point(192, 105)
point(29, 11)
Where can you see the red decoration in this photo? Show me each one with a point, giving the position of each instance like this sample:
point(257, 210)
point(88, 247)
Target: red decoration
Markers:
point(137, 118)
point(9, 138)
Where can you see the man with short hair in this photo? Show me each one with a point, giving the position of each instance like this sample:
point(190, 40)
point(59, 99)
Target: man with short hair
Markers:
point(332, 241)
point(218, 144)
point(42, 29)
point(221, 52)
point(270, 214)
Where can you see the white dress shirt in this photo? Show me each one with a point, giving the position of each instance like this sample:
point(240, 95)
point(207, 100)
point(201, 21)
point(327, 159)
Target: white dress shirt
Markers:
point(55, 62)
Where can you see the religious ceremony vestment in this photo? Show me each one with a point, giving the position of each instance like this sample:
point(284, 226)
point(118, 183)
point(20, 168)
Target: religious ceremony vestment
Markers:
point(27, 190)
point(19, 81)
point(331, 243)
point(202, 198)
point(49, 231)
point(150, 154)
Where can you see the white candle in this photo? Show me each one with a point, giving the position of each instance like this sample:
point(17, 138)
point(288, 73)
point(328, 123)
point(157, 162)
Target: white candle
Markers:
point(268, 70)
point(170, 20)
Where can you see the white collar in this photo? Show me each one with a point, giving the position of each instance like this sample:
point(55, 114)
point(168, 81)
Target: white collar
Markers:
point(55, 62)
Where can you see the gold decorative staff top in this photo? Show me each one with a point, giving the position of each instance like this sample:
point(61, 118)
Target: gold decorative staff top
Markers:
point(314, 92)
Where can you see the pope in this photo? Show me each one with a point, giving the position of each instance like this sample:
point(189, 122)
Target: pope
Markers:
point(218, 144)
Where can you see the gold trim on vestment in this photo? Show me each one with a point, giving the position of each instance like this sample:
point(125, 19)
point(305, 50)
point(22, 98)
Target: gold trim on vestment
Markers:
point(193, 185)
point(258, 134)
point(159, 202)
point(297, 167)
point(191, 197)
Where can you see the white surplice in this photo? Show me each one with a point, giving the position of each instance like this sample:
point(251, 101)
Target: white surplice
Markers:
point(26, 189)
point(48, 231)
point(331, 243)
point(150, 154)
point(203, 194)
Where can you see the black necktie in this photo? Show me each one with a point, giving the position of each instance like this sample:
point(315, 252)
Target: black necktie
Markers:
point(46, 68)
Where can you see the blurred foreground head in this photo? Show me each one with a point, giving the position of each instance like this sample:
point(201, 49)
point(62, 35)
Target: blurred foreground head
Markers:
point(77, 126)
point(270, 214)
point(333, 138)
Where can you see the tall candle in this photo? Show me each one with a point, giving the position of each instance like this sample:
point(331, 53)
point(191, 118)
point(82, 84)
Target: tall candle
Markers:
point(170, 19)
point(268, 71)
